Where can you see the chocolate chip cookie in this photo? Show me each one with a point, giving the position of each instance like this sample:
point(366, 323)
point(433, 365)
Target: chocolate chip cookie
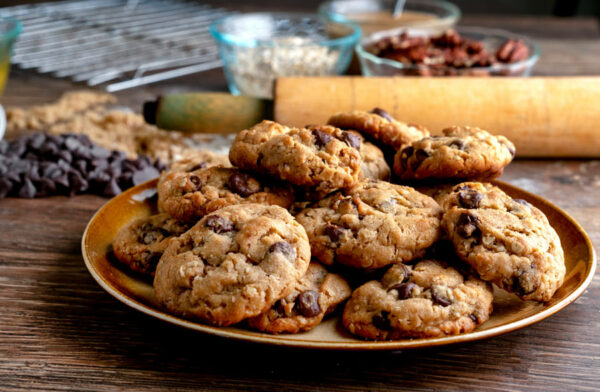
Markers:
point(431, 299)
point(188, 196)
point(381, 126)
point(324, 157)
point(371, 225)
point(507, 241)
point(140, 244)
point(315, 295)
point(233, 264)
point(463, 153)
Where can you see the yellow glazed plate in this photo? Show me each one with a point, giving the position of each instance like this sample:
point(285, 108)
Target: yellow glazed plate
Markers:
point(510, 313)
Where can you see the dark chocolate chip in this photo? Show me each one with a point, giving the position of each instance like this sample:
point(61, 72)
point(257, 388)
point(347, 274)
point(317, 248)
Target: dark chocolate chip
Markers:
point(47, 187)
point(49, 150)
point(352, 139)
point(334, 232)
point(62, 180)
point(459, 144)
point(5, 187)
point(197, 167)
point(102, 164)
point(72, 143)
point(321, 138)
point(146, 174)
point(404, 289)
point(219, 224)
point(112, 188)
point(523, 202)
point(99, 152)
point(27, 189)
point(524, 283)
point(3, 146)
point(34, 174)
point(420, 156)
point(80, 165)
point(382, 321)
point(439, 299)
point(469, 198)
point(382, 113)
point(197, 181)
point(307, 303)
point(118, 156)
point(468, 225)
point(474, 318)
point(65, 155)
point(152, 259)
point(511, 150)
point(283, 247)
point(240, 184)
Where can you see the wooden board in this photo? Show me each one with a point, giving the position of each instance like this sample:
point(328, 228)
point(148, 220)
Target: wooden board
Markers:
point(544, 117)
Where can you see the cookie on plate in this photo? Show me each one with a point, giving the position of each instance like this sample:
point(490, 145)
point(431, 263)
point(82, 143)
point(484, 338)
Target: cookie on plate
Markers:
point(140, 244)
point(371, 225)
point(324, 157)
point(374, 165)
point(463, 153)
point(233, 264)
point(507, 241)
point(315, 295)
point(379, 125)
point(430, 299)
point(188, 196)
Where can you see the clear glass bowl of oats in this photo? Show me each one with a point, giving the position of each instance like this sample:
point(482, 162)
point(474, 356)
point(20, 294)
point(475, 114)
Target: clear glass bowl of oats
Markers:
point(257, 48)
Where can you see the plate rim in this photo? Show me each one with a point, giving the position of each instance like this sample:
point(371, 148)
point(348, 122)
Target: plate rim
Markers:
point(358, 345)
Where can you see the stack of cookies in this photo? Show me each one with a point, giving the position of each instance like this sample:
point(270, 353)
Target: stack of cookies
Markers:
point(307, 219)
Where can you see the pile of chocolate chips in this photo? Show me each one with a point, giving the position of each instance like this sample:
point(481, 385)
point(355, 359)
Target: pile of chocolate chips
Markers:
point(436, 54)
point(40, 165)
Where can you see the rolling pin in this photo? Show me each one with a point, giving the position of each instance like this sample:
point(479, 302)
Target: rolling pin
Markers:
point(543, 116)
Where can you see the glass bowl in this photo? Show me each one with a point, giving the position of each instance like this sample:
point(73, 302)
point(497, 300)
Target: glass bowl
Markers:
point(492, 39)
point(9, 31)
point(377, 15)
point(257, 48)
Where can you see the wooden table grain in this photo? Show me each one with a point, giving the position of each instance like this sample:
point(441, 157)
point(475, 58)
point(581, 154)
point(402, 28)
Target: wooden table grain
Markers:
point(60, 331)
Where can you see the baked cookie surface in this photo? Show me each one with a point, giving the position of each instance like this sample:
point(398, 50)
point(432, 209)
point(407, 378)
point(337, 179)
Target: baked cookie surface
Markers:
point(188, 196)
point(429, 299)
point(371, 225)
point(462, 153)
point(379, 125)
point(507, 241)
point(140, 244)
point(374, 165)
point(233, 264)
point(315, 295)
point(199, 159)
point(323, 157)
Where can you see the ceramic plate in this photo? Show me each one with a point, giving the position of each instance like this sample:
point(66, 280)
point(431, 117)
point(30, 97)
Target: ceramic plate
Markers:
point(510, 313)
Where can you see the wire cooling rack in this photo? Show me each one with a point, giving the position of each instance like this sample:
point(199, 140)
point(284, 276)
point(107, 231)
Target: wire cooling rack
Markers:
point(118, 44)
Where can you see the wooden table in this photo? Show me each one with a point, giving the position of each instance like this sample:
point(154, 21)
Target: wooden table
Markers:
point(60, 331)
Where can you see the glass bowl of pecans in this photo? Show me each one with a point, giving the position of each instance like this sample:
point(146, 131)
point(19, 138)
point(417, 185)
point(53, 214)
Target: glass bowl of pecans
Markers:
point(464, 51)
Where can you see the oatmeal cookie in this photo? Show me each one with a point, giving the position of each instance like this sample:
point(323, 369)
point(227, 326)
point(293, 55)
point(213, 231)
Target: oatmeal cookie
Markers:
point(380, 126)
point(233, 264)
point(372, 225)
point(315, 295)
point(463, 153)
point(324, 157)
point(431, 299)
point(188, 196)
point(507, 241)
point(141, 244)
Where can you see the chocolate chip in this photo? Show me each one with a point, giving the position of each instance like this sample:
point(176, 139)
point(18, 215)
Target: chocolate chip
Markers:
point(27, 189)
point(404, 289)
point(146, 174)
point(307, 303)
point(439, 299)
point(382, 321)
point(219, 224)
point(47, 187)
point(240, 184)
point(5, 187)
point(524, 283)
point(321, 138)
point(72, 143)
point(523, 202)
point(468, 225)
point(334, 232)
point(352, 139)
point(197, 181)
point(420, 156)
point(469, 198)
point(111, 188)
point(284, 248)
point(382, 113)
point(49, 150)
point(474, 318)
point(3, 146)
point(197, 167)
point(80, 165)
point(407, 152)
point(99, 152)
point(459, 144)
point(36, 141)
point(149, 237)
